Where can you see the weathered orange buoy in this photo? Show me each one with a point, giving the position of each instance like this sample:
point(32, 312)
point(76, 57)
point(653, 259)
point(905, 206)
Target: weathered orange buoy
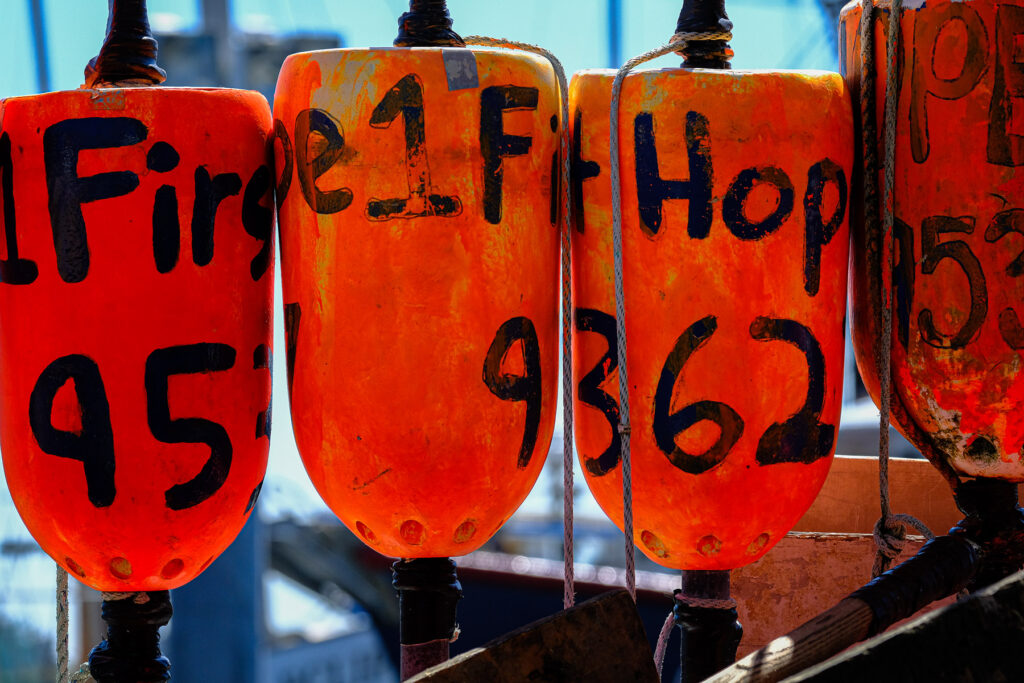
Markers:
point(135, 304)
point(957, 381)
point(420, 261)
point(734, 206)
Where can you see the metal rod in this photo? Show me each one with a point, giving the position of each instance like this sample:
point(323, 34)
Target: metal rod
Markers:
point(614, 34)
point(428, 594)
point(217, 23)
point(131, 651)
point(709, 632)
point(39, 44)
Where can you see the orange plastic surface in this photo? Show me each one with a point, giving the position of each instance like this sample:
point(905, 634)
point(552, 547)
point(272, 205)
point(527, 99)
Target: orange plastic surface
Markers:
point(420, 260)
point(735, 260)
point(135, 316)
point(958, 380)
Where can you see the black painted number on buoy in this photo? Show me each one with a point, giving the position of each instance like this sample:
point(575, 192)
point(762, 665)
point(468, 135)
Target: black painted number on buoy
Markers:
point(92, 443)
point(591, 393)
point(668, 425)
point(187, 360)
point(406, 98)
point(525, 387)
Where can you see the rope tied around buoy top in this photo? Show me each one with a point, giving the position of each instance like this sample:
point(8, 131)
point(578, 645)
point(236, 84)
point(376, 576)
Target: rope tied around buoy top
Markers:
point(890, 531)
point(690, 601)
point(569, 589)
point(678, 42)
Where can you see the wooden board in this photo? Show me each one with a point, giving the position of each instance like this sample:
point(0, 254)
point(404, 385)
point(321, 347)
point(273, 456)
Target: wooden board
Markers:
point(598, 640)
point(804, 575)
point(974, 640)
point(848, 501)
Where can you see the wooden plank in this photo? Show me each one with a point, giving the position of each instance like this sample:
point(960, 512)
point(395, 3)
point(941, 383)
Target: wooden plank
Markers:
point(848, 502)
point(974, 640)
point(596, 641)
point(804, 575)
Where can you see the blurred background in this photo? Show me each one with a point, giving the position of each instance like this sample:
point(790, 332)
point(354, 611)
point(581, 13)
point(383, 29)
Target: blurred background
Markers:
point(297, 599)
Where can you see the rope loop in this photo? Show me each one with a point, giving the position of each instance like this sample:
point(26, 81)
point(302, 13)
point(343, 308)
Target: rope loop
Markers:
point(663, 636)
point(703, 603)
point(890, 534)
point(890, 538)
point(82, 675)
point(679, 40)
point(684, 37)
point(568, 486)
point(138, 597)
point(666, 628)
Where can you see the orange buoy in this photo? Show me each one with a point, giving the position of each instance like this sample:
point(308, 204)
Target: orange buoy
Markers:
point(957, 380)
point(135, 300)
point(734, 223)
point(420, 259)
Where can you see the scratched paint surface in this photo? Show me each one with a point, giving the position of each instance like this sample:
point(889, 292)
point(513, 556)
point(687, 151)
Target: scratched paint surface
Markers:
point(420, 261)
point(136, 308)
point(734, 204)
point(957, 335)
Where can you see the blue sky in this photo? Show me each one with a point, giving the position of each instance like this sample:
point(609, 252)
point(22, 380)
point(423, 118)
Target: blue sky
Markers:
point(768, 33)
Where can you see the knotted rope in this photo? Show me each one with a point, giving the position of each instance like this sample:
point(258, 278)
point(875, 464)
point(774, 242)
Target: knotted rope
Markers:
point(569, 591)
point(890, 531)
point(679, 40)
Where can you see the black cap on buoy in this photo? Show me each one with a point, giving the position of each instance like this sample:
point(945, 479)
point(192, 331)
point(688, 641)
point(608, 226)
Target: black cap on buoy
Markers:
point(128, 55)
point(705, 16)
point(427, 24)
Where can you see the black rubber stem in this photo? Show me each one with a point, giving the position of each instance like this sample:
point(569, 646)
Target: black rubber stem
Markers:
point(128, 55)
point(705, 16)
point(131, 651)
point(427, 24)
point(428, 592)
point(709, 635)
point(994, 521)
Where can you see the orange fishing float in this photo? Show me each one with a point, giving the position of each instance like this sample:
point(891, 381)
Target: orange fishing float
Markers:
point(957, 381)
point(135, 299)
point(734, 220)
point(420, 261)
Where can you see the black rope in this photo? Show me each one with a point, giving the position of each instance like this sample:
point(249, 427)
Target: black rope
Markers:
point(427, 24)
point(129, 51)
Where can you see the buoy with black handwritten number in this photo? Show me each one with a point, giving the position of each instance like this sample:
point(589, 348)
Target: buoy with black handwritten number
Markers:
point(420, 252)
point(135, 317)
point(735, 188)
point(956, 271)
